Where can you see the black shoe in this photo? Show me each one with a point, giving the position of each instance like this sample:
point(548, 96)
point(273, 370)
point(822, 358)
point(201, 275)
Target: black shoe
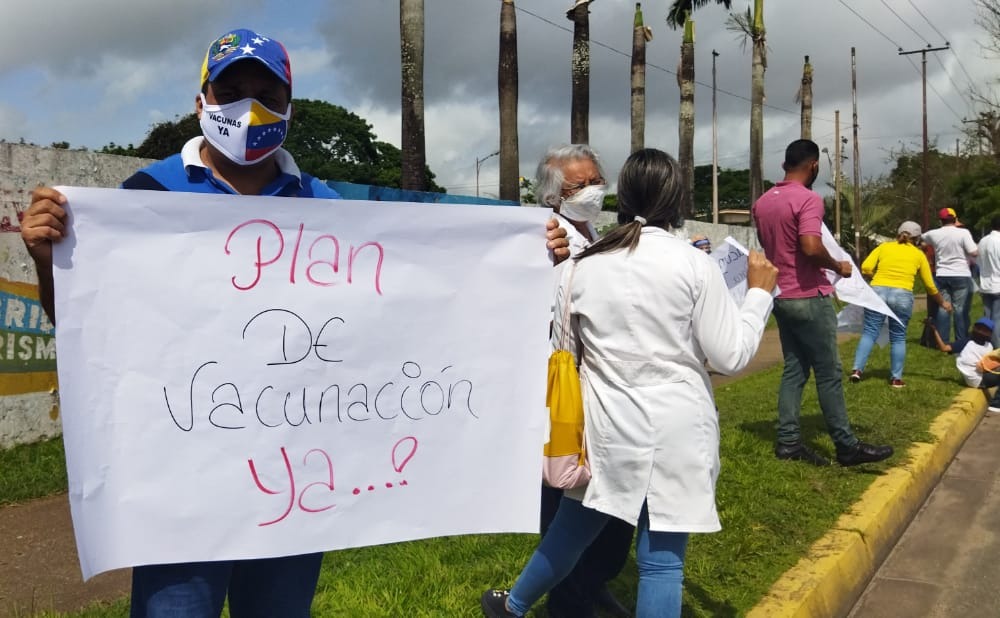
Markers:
point(494, 604)
point(800, 452)
point(862, 453)
point(609, 604)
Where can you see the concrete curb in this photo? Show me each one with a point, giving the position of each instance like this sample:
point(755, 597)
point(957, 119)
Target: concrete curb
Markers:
point(829, 580)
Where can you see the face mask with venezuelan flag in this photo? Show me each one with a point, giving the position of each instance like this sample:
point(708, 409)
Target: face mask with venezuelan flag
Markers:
point(245, 131)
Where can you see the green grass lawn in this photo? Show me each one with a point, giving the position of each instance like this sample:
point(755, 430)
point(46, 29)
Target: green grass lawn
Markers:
point(772, 511)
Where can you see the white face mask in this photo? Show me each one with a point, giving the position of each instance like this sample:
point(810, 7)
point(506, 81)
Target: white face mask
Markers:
point(585, 204)
point(246, 131)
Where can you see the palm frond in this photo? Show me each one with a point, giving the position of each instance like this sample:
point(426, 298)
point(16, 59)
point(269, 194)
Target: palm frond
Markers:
point(680, 9)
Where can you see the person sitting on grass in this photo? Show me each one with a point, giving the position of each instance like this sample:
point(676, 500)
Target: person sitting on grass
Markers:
point(979, 363)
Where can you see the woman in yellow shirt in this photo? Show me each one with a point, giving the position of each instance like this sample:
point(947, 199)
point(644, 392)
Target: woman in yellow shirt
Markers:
point(895, 265)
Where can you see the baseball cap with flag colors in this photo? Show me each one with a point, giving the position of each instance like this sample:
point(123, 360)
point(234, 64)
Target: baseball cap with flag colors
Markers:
point(244, 44)
point(947, 213)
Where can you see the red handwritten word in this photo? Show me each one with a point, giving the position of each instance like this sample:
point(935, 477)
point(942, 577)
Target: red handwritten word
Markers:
point(270, 236)
point(402, 452)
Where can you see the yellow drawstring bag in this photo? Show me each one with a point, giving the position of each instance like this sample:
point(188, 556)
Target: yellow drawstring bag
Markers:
point(565, 465)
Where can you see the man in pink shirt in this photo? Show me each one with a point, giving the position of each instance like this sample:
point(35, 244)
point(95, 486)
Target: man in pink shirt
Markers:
point(789, 219)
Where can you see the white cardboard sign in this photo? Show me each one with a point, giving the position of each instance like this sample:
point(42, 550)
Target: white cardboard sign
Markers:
point(247, 377)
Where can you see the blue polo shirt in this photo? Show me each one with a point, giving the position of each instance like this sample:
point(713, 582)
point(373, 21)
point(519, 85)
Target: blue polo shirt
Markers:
point(186, 172)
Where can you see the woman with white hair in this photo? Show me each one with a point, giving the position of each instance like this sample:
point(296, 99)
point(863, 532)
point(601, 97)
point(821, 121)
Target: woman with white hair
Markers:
point(892, 267)
point(571, 182)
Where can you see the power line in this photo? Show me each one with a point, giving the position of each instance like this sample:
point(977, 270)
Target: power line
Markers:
point(924, 39)
point(664, 69)
point(972, 82)
point(957, 88)
point(900, 48)
point(961, 64)
point(929, 22)
point(905, 23)
point(934, 90)
point(871, 25)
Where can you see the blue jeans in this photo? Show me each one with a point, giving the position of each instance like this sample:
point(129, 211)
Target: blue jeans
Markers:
point(958, 291)
point(659, 555)
point(257, 588)
point(600, 563)
point(808, 331)
point(991, 309)
point(901, 303)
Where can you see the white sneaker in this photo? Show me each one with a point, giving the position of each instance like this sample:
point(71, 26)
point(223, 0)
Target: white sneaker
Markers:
point(993, 410)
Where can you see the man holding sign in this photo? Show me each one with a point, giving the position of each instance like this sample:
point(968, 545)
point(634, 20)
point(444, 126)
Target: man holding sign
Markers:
point(244, 109)
point(789, 221)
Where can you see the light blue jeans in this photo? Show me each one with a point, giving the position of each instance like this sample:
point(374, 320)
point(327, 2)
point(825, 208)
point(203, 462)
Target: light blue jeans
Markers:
point(901, 303)
point(660, 557)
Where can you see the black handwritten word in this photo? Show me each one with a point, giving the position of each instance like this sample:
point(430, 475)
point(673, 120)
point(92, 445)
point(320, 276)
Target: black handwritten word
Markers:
point(415, 397)
point(320, 500)
point(411, 395)
point(733, 255)
point(289, 320)
point(267, 233)
point(732, 277)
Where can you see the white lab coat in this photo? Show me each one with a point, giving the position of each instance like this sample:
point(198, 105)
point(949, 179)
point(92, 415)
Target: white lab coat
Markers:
point(647, 321)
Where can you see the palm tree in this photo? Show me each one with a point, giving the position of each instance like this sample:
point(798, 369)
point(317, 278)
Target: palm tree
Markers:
point(510, 188)
point(579, 130)
point(685, 126)
point(752, 27)
point(679, 15)
point(411, 53)
point(805, 96)
point(641, 34)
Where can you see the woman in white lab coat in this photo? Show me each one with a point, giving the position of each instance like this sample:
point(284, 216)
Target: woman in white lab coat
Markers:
point(647, 309)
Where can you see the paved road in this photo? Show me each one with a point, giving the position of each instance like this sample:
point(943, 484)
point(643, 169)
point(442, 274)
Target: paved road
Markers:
point(947, 562)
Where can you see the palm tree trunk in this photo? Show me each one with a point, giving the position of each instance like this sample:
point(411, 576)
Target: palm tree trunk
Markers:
point(806, 95)
point(411, 53)
point(757, 103)
point(685, 154)
point(510, 188)
point(579, 129)
point(639, 37)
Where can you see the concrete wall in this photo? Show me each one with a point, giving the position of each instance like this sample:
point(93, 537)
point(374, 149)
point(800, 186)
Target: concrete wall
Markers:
point(29, 403)
point(744, 234)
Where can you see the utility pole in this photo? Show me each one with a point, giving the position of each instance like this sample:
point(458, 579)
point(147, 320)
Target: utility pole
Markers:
point(836, 173)
point(857, 162)
point(924, 186)
point(479, 163)
point(715, 146)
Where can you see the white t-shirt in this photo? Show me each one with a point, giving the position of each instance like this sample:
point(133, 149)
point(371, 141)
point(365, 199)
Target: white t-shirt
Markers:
point(989, 263)
point(968, 359)
point(953, 246)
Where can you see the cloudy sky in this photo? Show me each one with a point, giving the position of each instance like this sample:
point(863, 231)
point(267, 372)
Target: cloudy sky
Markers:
point(104, 70)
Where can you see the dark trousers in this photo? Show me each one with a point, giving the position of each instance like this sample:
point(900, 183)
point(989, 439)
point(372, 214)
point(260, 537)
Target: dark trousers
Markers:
point(600, 563)
point(989, 381)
